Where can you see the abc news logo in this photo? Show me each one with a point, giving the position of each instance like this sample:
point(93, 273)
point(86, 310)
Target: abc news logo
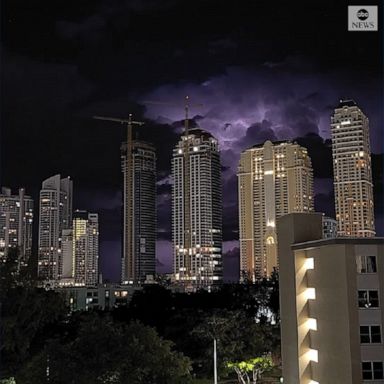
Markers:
point(363, 15)
point(362, 18)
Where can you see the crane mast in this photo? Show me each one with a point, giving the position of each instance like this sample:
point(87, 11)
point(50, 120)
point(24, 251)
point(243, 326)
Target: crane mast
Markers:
point(187, 235)
point(128, 271)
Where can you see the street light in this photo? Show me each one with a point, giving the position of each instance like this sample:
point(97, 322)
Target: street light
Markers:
point(214, 362)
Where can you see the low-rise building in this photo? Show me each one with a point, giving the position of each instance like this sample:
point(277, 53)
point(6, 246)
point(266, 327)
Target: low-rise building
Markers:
point(331, 303)
point(102, 296)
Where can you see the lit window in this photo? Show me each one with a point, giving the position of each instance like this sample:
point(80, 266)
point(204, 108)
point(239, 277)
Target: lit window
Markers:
point(309, 263)
point(310, 293)
point(312, 324)
point(313, 355)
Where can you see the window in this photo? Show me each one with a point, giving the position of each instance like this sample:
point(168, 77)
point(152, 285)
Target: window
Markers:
point(368, 299)
point(366, 264)
point(372, 370)
point(370, 334)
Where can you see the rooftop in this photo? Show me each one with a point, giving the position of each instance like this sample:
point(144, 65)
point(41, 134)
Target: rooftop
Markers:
point(346, 103)
point(339, 240)
point(199, 132)
point(274, 142)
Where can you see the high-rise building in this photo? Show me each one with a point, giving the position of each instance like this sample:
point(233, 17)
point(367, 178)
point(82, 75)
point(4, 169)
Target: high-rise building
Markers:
point(66, 246)
point(352, 171)
point(329, 227)
point(139, 215)
point(331, 304)
point(16, 218)
point(85, 248)
point(80, 250)
point(273, 179)
point(197, 209)
point(55, 216)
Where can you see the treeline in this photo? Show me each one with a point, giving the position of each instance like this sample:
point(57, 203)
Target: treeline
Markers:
point(160, 337)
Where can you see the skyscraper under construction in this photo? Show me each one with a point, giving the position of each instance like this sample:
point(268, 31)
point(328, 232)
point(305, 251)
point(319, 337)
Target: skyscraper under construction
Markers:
point(139, 212)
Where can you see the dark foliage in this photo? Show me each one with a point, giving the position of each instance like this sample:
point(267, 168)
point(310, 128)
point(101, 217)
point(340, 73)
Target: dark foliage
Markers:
point(133, 344)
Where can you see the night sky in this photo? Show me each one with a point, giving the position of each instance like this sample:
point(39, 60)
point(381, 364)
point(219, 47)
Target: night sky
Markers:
point(261, 69)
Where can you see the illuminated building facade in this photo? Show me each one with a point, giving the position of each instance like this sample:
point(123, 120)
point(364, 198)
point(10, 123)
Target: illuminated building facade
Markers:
point(16, 218)
point(197, 209)
point(331, 326)
point(55, 215)
point(139, 236)
point(352, 171)
point(85, 248)
point(273, 179)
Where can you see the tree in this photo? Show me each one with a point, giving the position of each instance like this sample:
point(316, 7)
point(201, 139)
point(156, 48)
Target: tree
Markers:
point(250, 371)
point(29, 317)
point(107, 352)
point(152, 305)
point(10, 380)
point(238, 337)
point(8, 273)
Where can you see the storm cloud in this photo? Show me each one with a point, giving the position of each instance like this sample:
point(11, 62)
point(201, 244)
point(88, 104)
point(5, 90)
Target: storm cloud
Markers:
point(247, 78)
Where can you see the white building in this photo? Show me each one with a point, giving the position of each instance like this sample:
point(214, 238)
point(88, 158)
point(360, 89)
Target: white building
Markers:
point(197, 209)
point(55, 216)
point(16, 218)
point(352, 171)
point(273, 179)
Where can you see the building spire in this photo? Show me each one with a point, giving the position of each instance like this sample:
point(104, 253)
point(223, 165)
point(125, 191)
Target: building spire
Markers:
point(186, 122)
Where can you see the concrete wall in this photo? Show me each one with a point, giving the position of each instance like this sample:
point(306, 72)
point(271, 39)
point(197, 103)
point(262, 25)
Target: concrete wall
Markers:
point(292, 228)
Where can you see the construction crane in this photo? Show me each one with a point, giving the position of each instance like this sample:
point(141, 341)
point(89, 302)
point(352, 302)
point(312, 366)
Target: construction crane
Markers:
point(128, 237)
point(186, 185)
point(186, 105)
